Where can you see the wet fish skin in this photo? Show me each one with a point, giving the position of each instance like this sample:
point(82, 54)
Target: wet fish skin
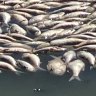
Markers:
point(76, 66)
point(68, 56)
point(87, 55)
point(34, 60)
point(26, 65)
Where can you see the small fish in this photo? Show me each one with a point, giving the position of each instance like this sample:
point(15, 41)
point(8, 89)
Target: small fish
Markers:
point(36, 19)
point(15, 28)
point(68, 56)
point(19, 19)
point(10, 59)
point(87, 55)
point(25, 65)
point(34, 60)
point(85, 27)
point(20, 36)
point(64, 41)
point(76, 66)
point(4, 65)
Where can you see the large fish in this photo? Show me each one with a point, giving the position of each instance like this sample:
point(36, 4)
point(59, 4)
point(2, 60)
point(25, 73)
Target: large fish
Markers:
point(76, 66)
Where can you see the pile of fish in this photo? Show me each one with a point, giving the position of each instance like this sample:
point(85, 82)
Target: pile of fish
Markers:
point(29, 28)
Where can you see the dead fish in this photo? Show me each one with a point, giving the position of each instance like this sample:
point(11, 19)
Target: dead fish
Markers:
point(76, 14)
point(17, 49)
point(15, 28)
point(33, 29)
point(6, 17)
point(19, 19)
point(14, 44)
point(67, 24)
point(50, 33)
point(82, 36)
point(32, 11)
point(13, 2)
point(76, 66)
point(34, 60)
point(56, 66)
point(53, 4)
point(4, 65)
point(4, 41)
point(64, 41)
point(68, 56)
point(87, 47)
point(25, 65)
point(25, 14)
point(72, 8)
point(57, 16)
point(3, 36)
point(10, 59)
point(20, 36)
point(50, 49)
point(87, 42)
point(75, 3)
point(47, 24)
point(85, 27)
point(87, 55)
point(76, 19)
point(39, 6)
point(36, 19)
point(5, 7)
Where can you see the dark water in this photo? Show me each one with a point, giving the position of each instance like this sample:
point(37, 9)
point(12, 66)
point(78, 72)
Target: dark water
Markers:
point(50, 85)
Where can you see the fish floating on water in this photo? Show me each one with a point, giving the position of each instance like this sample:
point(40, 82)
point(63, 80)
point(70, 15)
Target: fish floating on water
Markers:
point(44, 27)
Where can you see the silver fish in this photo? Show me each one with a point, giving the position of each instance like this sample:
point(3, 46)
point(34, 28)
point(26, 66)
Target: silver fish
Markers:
point(87, 55)
point(76, 66)
point(68, 56)
point(4, 65)
point(26, 65)
point(34, 60)
point(10, 59)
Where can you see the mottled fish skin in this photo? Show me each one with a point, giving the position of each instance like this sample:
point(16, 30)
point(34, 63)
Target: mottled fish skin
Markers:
point(76, 66)
point(87, 55)
point(56, 66)
point(68, 56)
point(25, 65)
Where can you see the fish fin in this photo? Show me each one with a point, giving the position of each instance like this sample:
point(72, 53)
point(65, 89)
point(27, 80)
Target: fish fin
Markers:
point(91, 67)
point(18, 73)
point(55, 57)
point(42, 69)
point(74, 77)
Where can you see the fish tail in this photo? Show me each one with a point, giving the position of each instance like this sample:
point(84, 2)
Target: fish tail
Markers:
point(42, 69)
point(18, 72)
point(74, 77)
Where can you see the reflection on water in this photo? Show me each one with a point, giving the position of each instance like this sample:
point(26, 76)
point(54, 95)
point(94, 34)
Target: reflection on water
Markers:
point(50, 85)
